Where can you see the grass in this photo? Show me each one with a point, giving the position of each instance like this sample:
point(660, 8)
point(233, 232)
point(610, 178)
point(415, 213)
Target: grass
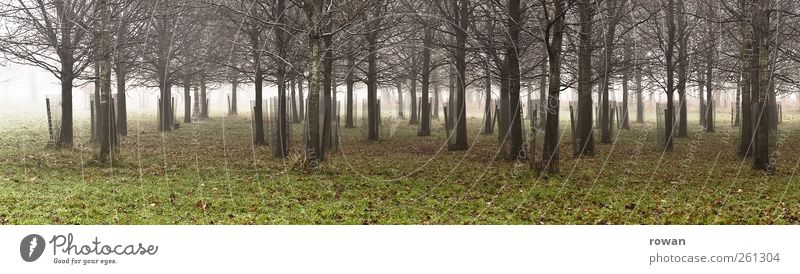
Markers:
point(208, 173)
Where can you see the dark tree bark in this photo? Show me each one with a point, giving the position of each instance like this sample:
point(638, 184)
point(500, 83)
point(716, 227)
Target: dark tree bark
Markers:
point(760, 84)
point(614, 9)
point(683, 67)
point(669, 56)
point(462, 20)
point(626, 72)
point(437, 100)
point(349, 82)
point(105, 123)
point(413, 91)
point(203, 97)
point(281, 148)
point(708, 117)
point(121, 101)
point(512, 62)
point(746, 26)
point(234, 88)
point(585, 123)
point(187, 100)
point(425, 125)
point(293, 100)
point(327, 93)
point(372, 86)
point(399, 85)
point(255, 45)
point(553, 38)
point(487, 104)
point(300, 99)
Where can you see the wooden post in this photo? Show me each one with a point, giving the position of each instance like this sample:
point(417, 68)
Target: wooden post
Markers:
point(49, 122)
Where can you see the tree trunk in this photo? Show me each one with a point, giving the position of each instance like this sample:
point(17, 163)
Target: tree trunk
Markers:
point(104, 121)
point(315, 80)
point(234, 87)
point(349, 120)
point(461, 9)
point(425, 125)
point(413, 92)
point(300, 99)
point(187, 100)
point(436, 96)
point(760, 84)
point(327, 91)
point(122, 102)
point(487, 109)
point(625, 123)
point(638, 79)
point(585, 127)
point(372, 88)
point(669, 56)
point(551, 135)
point(746, 138)
point(259, 139)
point(683, 66)
point(708, 116)
point(400, 105)
point(203, 98)
point(606, 69)
point(512, 62)
point(281, 148)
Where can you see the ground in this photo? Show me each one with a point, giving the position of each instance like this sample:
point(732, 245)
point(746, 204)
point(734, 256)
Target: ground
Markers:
point(208, 173)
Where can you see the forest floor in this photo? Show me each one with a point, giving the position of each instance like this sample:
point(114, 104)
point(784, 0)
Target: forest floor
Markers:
point(209, 173)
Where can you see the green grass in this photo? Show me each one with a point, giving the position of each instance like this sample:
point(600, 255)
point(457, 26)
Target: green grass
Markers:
point(198, 175)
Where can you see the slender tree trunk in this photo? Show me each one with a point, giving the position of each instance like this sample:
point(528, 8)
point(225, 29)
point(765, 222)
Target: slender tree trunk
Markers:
point(412, 89)
point(122, 101)
point(436, 96)
point(293, 100)
point(669, 56)
point(512, 61)
point(234, 87)
point(349, 82)
point(425, 125)
point(550, 156)
point(701, 85)
point(462, 18)
point(203, 98)
point(625, 123)
point(708, 116)
point(187, 100)
point(487, 109)
point(258, 110)
point(372, 88)
point(746, 108)
point(105, 122)
point(614, 14)
point(638, 78)
point(327, 93)
point(683, 67)
point(301, 101)
point(400, 104)
point(585, 126)
point(413, 92)
point(281, 149)
point(542, 116)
